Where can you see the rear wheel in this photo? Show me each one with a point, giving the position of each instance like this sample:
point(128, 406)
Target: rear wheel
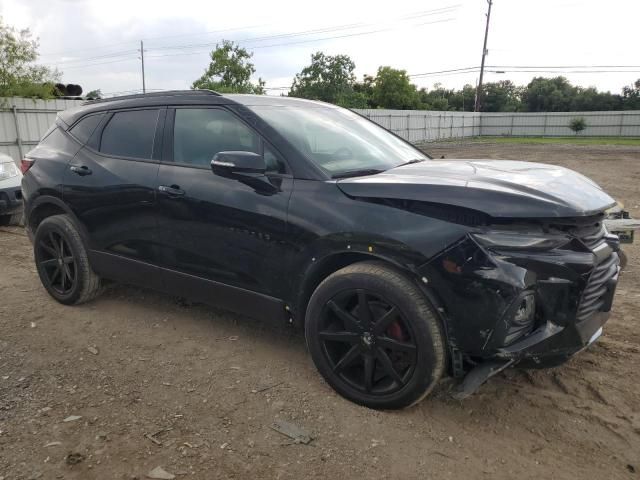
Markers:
point(374, 336)
point(62, 262)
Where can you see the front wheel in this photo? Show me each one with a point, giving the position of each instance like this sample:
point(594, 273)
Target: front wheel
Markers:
point(62, 261)
point(374, 336)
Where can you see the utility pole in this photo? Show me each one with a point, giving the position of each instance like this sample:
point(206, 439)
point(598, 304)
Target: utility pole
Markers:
point(484, 54)
point(144, 88)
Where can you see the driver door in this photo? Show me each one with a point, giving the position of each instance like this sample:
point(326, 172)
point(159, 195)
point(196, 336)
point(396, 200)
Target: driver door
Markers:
point(219, 237)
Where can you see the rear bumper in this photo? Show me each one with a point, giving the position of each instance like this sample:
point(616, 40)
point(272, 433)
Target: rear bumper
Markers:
point(10, 200)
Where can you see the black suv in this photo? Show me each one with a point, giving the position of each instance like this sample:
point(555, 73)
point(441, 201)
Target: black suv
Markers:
point(399, 268)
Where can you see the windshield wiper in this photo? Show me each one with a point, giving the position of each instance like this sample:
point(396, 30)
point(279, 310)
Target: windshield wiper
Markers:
point(415, 160)
point(357, 173)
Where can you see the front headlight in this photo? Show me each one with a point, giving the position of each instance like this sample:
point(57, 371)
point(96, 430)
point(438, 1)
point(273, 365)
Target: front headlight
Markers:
point(520, 241)
point(8, 170)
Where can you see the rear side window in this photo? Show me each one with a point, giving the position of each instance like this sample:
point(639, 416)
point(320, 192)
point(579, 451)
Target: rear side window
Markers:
point(83, 129)
point(200, 133)
point(130, 134)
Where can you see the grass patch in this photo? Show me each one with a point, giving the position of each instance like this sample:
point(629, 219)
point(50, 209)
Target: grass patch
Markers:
point(629, 141)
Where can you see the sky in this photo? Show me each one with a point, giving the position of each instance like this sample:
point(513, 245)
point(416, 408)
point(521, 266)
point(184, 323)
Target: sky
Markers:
point(96, 43)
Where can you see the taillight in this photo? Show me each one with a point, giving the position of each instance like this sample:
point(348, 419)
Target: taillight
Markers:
point(26, 164)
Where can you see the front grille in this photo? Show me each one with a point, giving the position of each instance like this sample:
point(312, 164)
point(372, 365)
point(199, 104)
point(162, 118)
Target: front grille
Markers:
point(597, 295)
point(591, 236)
point(589, 231)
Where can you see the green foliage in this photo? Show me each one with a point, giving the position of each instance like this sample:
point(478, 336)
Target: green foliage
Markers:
point(94, 95)
point(19, 76)
point(577, 124)
point(230, 71)
point(329, 79)
point(502, 96)
point(392, 88)
point(631, 96)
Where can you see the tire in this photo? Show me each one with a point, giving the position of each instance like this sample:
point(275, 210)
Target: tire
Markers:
point(62, 262)
point(397, 327)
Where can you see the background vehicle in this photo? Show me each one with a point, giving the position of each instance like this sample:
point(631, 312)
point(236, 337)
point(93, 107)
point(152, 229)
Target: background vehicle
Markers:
point(398, 267)
point(10, 192)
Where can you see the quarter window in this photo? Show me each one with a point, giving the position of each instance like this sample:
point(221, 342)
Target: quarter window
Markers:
point(200, 133)
point(85, 127)
point(130, 134)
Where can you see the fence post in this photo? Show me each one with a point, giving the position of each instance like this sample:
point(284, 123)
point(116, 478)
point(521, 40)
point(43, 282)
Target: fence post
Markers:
point(463, 116)
point(621, 114)
point(451, 127)
point(408, 129)
point(439, 120)
point(544, 128)
point(426, 130)
point(511, 127)
point(18, 137)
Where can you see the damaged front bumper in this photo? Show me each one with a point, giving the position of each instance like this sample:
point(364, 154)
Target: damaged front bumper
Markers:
point(480, 290)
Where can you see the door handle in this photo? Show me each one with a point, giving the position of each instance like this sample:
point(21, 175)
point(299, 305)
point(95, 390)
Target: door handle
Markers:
point(171, 190)
point(80, 170)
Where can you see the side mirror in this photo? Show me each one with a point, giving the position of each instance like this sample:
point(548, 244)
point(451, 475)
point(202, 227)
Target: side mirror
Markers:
point(228, 163)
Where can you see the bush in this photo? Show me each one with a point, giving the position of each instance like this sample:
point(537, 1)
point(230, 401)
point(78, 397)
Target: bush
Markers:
point(577, 125)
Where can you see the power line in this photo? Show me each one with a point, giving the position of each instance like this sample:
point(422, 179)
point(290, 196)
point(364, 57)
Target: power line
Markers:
point(299, 42)
point(424, 13)
point(123, 54)
point(563, 66)
point(73, 67)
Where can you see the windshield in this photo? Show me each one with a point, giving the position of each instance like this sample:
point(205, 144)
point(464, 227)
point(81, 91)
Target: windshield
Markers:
point(338, 140)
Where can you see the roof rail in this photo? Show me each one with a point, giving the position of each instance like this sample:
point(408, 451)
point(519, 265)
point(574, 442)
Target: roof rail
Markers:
point(165, 93)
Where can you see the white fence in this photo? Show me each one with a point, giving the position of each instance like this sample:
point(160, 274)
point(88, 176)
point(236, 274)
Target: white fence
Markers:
point(23, 122)
point(427, 126)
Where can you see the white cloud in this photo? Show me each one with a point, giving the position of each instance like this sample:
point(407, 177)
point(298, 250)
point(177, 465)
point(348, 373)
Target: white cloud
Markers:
point(82, 36)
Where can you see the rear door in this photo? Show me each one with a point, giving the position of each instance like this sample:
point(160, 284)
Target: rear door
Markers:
point(218, 231)
point(110, 186)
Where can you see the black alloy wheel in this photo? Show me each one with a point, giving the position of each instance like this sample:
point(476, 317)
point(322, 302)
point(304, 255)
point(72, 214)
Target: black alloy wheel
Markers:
point(374, 336)
point(62, 261)
point(367, 341)
point(56, 260)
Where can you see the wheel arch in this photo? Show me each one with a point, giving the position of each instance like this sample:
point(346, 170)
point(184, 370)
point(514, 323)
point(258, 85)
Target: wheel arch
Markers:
point(331, 263)
point(322, 267)
point(46, 206)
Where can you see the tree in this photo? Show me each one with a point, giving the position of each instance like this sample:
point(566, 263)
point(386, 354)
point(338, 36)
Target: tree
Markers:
point(502, 96)
point(94, 95)
point(330, 79)
point(577, 124)
point(393, 89)
point(631, 96)
point(548, 95)
point(19, 76)
point(230, 71)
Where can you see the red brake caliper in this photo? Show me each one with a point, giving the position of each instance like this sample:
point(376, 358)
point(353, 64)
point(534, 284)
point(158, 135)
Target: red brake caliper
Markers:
point(395, 331)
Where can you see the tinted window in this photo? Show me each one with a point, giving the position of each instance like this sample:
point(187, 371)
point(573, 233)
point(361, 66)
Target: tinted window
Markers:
point(201, 133)
point(273, 161)
point(130, 134)
point(85, 127)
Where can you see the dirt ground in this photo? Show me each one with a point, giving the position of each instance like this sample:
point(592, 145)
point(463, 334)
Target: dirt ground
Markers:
point(157, 382)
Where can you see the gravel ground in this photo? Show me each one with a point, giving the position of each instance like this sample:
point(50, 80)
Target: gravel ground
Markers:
point(194, 390)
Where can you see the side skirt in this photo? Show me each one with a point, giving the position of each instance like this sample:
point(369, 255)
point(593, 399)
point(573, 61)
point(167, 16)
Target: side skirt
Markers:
point(197, 289)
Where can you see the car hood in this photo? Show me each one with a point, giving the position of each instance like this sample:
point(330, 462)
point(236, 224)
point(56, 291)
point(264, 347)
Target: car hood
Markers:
point(500, 188)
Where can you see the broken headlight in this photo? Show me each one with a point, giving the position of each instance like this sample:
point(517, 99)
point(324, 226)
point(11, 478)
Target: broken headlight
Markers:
point(522, 315)
point(520, 241)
